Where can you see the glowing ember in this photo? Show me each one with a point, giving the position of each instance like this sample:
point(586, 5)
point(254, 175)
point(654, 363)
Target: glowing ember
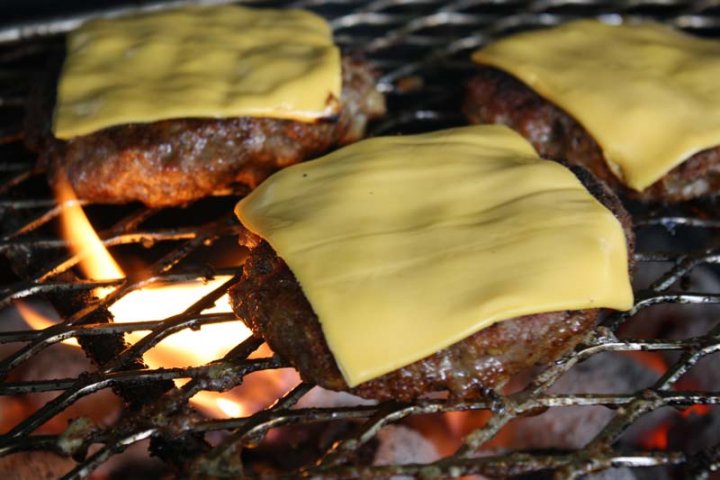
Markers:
point(699, 410)
point(657, 439)
point(652, 360)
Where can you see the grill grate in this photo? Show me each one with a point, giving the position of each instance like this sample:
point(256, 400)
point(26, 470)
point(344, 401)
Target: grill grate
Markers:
point(422, 47)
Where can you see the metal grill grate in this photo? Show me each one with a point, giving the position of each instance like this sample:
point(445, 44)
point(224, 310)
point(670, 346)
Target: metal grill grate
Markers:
point(422, 46)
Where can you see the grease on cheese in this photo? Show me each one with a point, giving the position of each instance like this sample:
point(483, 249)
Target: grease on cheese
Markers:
point(406, 245)
point(648, 94)
point(225, 61)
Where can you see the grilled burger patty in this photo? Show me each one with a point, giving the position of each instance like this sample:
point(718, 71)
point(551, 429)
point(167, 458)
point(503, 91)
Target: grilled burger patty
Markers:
point(271, 302)
point(171, 162)
point(494, 96)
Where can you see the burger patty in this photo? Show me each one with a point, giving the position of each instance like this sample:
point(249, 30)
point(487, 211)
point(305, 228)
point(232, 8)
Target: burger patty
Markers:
point(271, 302)
point(172, 162)
point(494, 96)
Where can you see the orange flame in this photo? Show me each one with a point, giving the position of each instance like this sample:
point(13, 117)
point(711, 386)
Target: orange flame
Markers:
point(96, 262)
point(182, 349)
point(38, 321)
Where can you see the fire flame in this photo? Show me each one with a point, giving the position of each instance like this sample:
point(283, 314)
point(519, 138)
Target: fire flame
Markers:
point(96, 263)
point(230, 408)
point(39, 321)
point(182, 349)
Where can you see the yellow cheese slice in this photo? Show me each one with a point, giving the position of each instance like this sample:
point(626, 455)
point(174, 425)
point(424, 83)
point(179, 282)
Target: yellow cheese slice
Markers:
point(648, 94)
point(225, 61)
point(406, 245)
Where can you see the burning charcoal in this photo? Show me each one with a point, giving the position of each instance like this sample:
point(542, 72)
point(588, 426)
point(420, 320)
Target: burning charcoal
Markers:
point(34, 466)
point(704, 375)
point(573, 427)
point(319, 397)
point(672, 321)
point(567, 427)
point(695, 431)
point(402, 445)
point(700, 428)
point(609, 474)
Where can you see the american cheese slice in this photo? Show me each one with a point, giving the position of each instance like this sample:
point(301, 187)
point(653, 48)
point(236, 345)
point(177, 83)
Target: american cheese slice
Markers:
point(648, 94)
point(219, 62)
point(406, 245)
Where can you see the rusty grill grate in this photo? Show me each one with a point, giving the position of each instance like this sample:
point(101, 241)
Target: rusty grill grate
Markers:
point(422, 47)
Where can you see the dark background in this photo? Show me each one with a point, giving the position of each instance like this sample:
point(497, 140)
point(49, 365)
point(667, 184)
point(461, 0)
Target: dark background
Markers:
point(13, 11)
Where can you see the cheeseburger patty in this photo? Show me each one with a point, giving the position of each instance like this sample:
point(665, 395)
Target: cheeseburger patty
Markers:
point(271, 302)
point(494, 96)
point(172, 162)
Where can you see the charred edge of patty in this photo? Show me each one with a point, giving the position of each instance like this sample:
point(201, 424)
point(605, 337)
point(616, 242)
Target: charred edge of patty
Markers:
point(172, 162)
point(271, 302)
point(494, 96)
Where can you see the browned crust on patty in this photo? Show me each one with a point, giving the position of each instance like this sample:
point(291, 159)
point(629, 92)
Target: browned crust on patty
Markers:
point(494, 96)
point(271, 302)
point(172, 162)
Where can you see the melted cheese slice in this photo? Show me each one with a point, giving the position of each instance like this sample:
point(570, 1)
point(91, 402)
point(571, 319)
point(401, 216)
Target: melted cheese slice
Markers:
point(217, 62)
point(406, 245)
point(649, 95)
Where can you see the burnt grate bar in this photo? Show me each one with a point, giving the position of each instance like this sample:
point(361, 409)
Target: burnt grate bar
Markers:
point(422, 47)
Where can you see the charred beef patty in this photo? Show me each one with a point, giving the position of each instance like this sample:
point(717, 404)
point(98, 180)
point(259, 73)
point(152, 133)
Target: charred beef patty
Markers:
point(271, 302)
point(494, 96)
point(172, 162)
